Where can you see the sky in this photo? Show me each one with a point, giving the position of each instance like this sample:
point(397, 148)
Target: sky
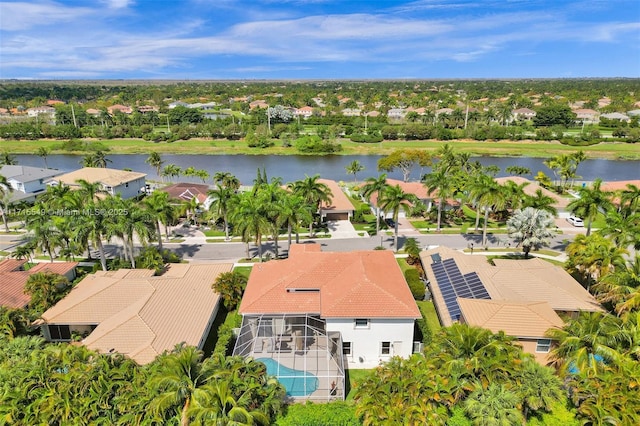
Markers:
point(318, 39)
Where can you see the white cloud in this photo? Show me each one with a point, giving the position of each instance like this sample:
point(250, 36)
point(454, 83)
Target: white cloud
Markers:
point(117, 4)
point(20, 16)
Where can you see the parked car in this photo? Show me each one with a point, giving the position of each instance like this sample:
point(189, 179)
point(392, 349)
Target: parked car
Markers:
point(575, 221)
point(390, 223)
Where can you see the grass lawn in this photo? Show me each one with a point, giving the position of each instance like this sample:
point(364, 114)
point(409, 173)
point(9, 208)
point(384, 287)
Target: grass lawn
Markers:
point(244, 270)
point(429, 311)
point(527, 148)
point(354, 377)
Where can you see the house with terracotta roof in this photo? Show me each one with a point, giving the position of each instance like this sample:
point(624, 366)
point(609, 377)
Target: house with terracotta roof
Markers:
point(304, 112)
point(119, 108)
point(419, 190)
point(340, 207)
point(27, 182)
point(523, 298)
point(317, 313)
point(532, 186)
point(112, 181)
point(184, 191)
point(138, 314)
point(13, 278)
point(586, 115)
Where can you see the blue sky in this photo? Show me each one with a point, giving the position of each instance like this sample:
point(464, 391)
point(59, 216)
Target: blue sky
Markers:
point(318, 39)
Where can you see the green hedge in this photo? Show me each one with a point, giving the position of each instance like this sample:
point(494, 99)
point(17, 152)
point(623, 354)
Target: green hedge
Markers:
point(361, 138)
point(225, 333)
point(415, 283)
point(336, 413)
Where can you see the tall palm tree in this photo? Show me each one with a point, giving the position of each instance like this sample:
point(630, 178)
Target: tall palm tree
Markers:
point(43, 153)
point(621, 287)
point(161, 209)
point(375, 186)
point(540, 201)
point(592, 257)
point(630, 199)
point(249, 219)
point(489, 195)
point(440, 182)
point(313, 192)
point(292, 212)
point(530, 227)
point(171, 170)
point(5, 190)
point(41, 226)
point(592, 200)
point(155, 161)
point(226, 180)
point(354, 168)
point(222, 201)
point(393, 199)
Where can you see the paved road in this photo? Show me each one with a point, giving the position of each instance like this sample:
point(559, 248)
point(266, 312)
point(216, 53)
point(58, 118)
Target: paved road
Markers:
point(234, 251)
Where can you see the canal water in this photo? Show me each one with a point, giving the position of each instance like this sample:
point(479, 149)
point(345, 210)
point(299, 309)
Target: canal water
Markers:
point(295, 167)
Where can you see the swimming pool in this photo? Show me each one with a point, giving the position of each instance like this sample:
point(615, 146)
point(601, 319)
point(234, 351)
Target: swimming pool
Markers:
point(296, 382)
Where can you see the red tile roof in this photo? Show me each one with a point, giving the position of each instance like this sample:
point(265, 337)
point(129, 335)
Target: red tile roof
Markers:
point(186, 191)
point(13, 279)
point(339, 200)
point(360, 284)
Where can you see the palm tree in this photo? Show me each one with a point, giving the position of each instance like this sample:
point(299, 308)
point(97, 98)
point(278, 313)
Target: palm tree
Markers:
point(623, 229)
point(171, 171)
point(179, 375)
point(155, 161)
point(226, 180)
point(592, 200)
point(7, 159)
point(489, 195)
point(592, 257)
point(630, 199)
point(440, 182)
point(292, 212)
point(538, 387)
point(494, 406)
point(222, 201)
point(41, 226)
point(312, 192)
point(46, 289)
point(540, 201)
point(249, 218)
point(530, 227)
point(100, 160)
point(621, 287)
point(43, 153)
point(393, 199)
point(375, 186)
point(163, 212)
point(354, 168)
point(588, 342)
point(5, 190)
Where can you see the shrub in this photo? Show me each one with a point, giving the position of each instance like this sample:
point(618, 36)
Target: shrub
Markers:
point(315, 144)
point(415, 283)
point(338, 413)
point(362, 138)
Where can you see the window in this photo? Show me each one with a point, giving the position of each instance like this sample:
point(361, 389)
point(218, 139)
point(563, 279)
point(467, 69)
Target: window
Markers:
point(544, 345)
point(59, 332)
point(361, 323)
point(346, 348)
point(385, 348)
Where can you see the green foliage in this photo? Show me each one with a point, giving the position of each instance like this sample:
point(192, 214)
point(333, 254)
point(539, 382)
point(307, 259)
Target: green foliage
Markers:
point(458, 418)
point(561, 415)
point(415, 283)
point(315, 144)
point(46, 288)
point(225, 334)
point(552, 115)
point(336, 413)
point(231, 286)
point(366, 138)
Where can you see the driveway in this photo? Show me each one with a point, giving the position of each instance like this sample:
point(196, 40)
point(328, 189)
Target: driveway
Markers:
point(341, 229)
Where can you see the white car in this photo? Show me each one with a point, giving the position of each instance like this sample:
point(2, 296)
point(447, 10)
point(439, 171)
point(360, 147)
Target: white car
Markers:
point(575, 221)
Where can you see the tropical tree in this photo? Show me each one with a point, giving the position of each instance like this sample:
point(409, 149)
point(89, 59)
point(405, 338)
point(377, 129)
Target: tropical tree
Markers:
point(43, 153)
point(621, 287)
point(292, 211)
point(171, 171)
point(393, 199)
point(155, 161)
point(489, 195)
point(630, 199)
point(230, 286)
point(531, 228)
point(412, 248)
point(540, 201)
point(538, 387)
point(592, 257)
point(46, 289)
point(7, 159)
point(592, 200)
point(5, 190)
point(161, 210)
point(354, 168)
point(441, 183)
point(375, 186)
point(249, 219)
point(223, 199)
point(404, 160)
point(314, 193)
point(227, 180)
point(494, 406)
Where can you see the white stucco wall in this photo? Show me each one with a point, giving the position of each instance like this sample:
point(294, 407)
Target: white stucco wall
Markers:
point(130, 190)
point(366, 343)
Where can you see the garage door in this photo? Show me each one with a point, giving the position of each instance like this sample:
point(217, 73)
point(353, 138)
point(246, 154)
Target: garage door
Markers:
point(337, 216)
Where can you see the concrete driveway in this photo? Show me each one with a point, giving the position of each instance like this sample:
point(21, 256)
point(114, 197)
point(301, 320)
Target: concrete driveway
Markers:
point(341, 229)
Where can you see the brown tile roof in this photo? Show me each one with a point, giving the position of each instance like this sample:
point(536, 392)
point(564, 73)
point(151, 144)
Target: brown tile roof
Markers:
point(532, 187)
point(619, 185)
point(339, 200)
point(533, 280)
point(359, 284)
point(186, 191)
point(141, 315)
point(110, 177)
point(13, 279)
point(520, 319)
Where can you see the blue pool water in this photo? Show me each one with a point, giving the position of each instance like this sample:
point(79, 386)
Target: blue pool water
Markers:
point(296, 382)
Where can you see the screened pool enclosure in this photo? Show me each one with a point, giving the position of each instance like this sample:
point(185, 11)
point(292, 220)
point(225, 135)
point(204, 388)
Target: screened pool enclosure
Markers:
point(299, 351)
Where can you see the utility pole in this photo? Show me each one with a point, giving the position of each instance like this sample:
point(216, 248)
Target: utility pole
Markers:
point(73, 114)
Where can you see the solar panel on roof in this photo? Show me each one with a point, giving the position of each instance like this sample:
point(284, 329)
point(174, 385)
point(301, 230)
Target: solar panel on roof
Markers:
point(453, 284)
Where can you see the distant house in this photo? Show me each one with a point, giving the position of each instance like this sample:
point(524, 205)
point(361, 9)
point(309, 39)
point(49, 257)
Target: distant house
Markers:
point(523, 298)
point(120, 108)
point(144, 109)
point(259, 104)
point(586, 115)
point(304, 112)
point(174, 104)
point(560, 203)
point(27, 182)
point(112, 181)
point(181, 192)
point(616, 116)
point(351, 112)
point(319, 312)
point(93, 112)
point(340, 207)
point(419, 190)
point(13, 278)
point(133, 312)
point(523, 114)
point(41, 110)
point(634, 113)
point(397, 113)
